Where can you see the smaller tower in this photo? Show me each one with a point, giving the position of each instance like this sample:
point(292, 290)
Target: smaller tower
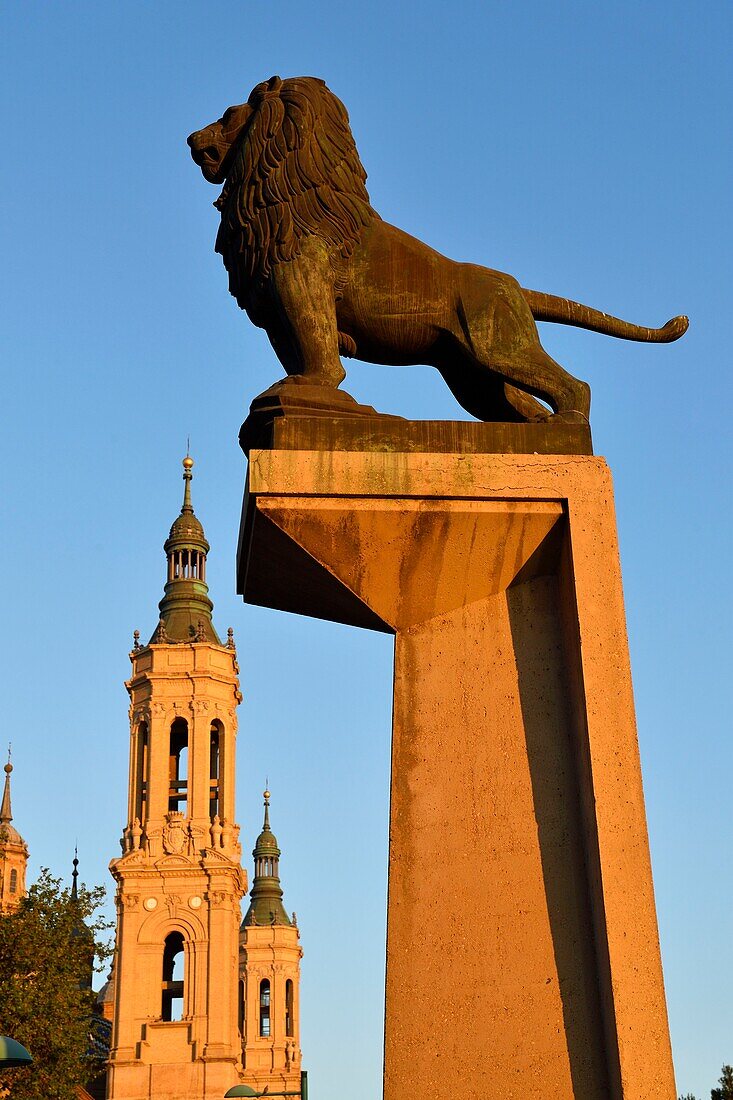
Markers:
point(13, 853)
point(270, 955)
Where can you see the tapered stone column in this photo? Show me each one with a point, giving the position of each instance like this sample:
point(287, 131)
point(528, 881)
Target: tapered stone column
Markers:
point(522, 948)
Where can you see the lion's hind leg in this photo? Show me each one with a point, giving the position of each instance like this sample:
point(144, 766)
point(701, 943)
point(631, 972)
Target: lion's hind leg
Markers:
point(479, 392)
point(497, 329)
point(484, 394)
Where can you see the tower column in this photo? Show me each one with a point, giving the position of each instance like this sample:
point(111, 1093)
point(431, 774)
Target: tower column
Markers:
point(200, 764)
point(158, 766)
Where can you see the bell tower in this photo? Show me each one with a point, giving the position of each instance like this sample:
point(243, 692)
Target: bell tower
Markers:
point(271, 954)
point(179, 878)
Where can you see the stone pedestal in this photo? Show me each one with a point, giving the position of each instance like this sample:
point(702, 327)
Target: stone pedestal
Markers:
point(522, 949)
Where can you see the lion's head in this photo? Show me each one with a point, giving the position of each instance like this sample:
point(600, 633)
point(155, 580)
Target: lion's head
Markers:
point(290, 169)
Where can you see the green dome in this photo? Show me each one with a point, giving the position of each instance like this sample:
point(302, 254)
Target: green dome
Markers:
point(266, 844)
point(187, 529)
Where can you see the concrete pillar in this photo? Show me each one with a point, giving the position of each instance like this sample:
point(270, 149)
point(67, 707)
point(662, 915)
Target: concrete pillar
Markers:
point(522, 948)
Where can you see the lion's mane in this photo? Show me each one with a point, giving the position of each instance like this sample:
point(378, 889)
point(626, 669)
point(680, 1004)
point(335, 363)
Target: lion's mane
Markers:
point(295, 174)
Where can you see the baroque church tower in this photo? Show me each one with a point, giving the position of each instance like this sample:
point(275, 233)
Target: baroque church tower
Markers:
point(270, 959)
point(179, 878)
point(13, 853)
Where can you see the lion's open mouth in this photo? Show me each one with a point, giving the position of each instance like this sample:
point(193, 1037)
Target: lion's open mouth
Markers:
point(209, 155)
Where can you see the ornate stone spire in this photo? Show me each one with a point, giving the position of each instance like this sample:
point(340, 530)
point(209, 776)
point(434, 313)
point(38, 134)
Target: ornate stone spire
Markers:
point(13, 852)
point(6, 813)
point(185, 610)
point(266, 904)
point(8, 833)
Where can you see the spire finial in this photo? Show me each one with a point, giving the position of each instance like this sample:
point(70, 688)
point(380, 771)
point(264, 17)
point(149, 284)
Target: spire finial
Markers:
point(187, 507)
point(6, 813)
point(266, 796)
point(75, 874)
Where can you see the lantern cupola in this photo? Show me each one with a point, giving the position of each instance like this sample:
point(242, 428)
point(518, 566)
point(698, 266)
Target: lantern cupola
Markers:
point(185, 610)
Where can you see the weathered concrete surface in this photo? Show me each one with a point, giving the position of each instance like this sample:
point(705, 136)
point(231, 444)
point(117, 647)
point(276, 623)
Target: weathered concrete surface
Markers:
point(522, 949)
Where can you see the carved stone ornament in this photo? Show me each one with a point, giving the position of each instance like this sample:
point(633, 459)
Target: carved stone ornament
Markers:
point(160, 636)
point(130, 901)
point(195, 838)
point(300, 240)
point(172, 901)
point(174, 833)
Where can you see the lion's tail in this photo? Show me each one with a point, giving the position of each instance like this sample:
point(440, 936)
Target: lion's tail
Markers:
point(547, 307)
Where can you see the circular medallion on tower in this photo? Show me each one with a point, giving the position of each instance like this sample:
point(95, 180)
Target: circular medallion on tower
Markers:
point(195, 902)
point(150, 904)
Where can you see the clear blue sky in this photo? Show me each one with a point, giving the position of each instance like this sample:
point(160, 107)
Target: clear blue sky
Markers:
point(585, 149)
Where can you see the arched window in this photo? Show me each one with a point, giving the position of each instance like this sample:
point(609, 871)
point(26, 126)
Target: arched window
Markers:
point(265, 1008)
point(141, 771)
point(240, 1009)
point(173, 977)
point(13, 881)
point(289, 1019)
point(178, 766)
point(214, 769)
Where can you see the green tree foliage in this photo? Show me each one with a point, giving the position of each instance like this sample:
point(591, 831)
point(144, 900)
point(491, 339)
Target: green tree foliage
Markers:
point(725, 1092)
point(688, 1096)
point(46, 959)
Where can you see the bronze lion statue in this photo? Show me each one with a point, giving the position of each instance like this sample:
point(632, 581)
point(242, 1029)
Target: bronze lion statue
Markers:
point(313, 264)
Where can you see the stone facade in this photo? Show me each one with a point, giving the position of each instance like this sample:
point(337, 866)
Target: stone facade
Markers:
point(179, 880)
